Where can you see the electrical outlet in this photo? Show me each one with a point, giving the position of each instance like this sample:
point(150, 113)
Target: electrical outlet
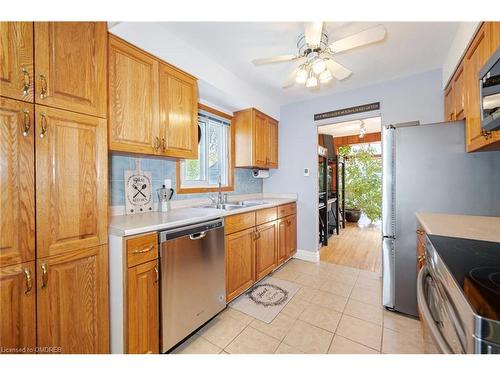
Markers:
point(306, 172)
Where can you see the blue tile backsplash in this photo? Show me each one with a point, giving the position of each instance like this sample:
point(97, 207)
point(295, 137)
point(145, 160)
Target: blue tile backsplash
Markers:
point(161, 169)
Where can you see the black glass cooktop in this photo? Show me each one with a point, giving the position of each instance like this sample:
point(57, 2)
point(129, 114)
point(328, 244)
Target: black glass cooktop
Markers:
point(475, 265)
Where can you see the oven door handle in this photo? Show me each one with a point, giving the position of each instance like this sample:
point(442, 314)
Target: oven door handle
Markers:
point(427, 315)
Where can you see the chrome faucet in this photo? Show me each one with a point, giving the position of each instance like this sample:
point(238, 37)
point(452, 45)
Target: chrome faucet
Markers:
point(220, 199)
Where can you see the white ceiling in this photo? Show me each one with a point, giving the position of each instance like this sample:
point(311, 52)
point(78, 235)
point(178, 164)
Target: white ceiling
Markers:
point(342, 129)
point(409, 48)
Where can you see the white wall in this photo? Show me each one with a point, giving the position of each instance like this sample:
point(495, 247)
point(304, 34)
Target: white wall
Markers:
point(418, 97)
point(217, 85)
point(457, 48)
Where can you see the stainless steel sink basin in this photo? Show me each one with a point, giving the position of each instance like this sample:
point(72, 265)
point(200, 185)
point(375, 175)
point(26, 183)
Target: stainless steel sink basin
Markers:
point(233, 205)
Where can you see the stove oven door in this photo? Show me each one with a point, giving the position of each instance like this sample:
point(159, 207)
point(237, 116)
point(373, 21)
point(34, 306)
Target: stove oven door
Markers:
point(442, 325)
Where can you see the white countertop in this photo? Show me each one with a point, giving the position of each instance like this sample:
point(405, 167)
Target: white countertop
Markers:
point(482, 228)
point(126, 225)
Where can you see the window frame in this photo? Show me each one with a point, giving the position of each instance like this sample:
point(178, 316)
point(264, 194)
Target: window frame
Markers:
point(207, 189)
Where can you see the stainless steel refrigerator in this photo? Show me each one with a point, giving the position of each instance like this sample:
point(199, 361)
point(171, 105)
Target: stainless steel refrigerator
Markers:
point(426, 168)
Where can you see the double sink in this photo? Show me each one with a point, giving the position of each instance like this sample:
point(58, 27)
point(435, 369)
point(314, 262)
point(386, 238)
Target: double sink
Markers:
point(233, 205)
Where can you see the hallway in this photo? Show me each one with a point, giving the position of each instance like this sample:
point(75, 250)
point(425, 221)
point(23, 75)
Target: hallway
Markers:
point(356, 246)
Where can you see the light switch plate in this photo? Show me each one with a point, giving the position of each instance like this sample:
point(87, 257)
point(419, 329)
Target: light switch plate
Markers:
point(306, 172)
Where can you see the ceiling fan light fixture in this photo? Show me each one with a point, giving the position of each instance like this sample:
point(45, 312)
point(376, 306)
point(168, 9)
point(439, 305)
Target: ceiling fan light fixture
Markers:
point(301, 76)
point(312, 81)
point(318, 65)
point(325, 76)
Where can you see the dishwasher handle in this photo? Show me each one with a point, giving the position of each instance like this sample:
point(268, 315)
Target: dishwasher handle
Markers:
point(197, 236)
point(194, 232)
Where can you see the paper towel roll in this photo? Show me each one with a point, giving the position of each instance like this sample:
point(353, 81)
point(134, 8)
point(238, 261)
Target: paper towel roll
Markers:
point(260, 173)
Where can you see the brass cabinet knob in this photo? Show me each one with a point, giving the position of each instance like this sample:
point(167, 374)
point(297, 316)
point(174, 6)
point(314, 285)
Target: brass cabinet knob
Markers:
point(26, 122)
point(43, 86)
point(26, 82)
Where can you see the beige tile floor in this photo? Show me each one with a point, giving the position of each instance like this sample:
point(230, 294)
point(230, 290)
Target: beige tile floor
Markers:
point(338, 310)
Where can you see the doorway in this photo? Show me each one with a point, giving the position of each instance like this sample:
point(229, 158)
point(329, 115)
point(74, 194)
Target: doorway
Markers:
point(350, 193)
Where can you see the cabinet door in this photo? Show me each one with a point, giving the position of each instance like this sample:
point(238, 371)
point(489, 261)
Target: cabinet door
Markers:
point(72, 301)
point(17, 308)
point(133, 99)
point(143, 330)
point(476, 56)
point(282, 240)
point(16, 60)
point(265, 249)
point(17, 204)
point(71, 188)
point(240, 265)
point(261, 139)
point(495, 35)
point(459, 93)
point(449, 115)
point(71, 66)
point(178, 113)
point(291, 235)
point(273, 143)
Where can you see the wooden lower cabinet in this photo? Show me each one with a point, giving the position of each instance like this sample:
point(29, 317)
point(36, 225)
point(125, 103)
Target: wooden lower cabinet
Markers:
point(72, 302)
point(291, 235)
point(287, 238)
point(265, 249)
point(143, 321)
point(420, 248)
point(240, 265)
point(17, 308)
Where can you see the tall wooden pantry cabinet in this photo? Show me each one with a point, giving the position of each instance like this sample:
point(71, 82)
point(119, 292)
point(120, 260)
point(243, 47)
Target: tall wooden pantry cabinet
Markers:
point(53, 156)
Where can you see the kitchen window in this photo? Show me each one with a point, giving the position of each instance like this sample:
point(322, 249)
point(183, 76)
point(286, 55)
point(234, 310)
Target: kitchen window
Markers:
point(214, 155)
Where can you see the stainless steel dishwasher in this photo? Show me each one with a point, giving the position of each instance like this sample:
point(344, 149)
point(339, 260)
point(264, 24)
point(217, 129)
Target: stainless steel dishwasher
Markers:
point(193, 286)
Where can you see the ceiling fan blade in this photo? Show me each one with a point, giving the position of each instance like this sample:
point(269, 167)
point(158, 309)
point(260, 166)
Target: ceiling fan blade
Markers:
point(313, 32)
point(339, 71)
point(275, 59)
point(368, 36)
point(290, 80)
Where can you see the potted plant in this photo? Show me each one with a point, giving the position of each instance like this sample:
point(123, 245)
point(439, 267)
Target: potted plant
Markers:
point(363, 183)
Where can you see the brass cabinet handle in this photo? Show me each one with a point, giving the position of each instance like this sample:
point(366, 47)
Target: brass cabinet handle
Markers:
point(157, 274)
point(421, 258)
point(43, 86)
point(26, 122)
point(157, 144)
point(43, 124)
point(163, 144)
point(26, 82)
point(420, 231)
point(29, 282)
point(143, 250)
point(45, 277)
point(486, 134)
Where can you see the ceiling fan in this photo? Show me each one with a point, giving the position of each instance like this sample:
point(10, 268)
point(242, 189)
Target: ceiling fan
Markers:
point(316, 54)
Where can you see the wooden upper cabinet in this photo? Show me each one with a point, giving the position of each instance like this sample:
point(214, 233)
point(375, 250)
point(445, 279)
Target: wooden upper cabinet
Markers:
point(16, 60)
point(240, 265)
point(17, 308)
point(133, 99)
point(256, 138)
point(261, 141)
point(265, 249)
point(72, 301)
point(178, 113)
point(143, 321)
point(459, 94)
point(476, 56)
point(17, 206)
point(449, 114)
point(71, 188)
point(71, 66)
point(273, 143)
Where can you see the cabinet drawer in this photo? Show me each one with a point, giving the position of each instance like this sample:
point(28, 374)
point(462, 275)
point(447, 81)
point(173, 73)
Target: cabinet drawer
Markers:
point(266, 215)
point(287, 209)
point(141, 249)
point(239, 222)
